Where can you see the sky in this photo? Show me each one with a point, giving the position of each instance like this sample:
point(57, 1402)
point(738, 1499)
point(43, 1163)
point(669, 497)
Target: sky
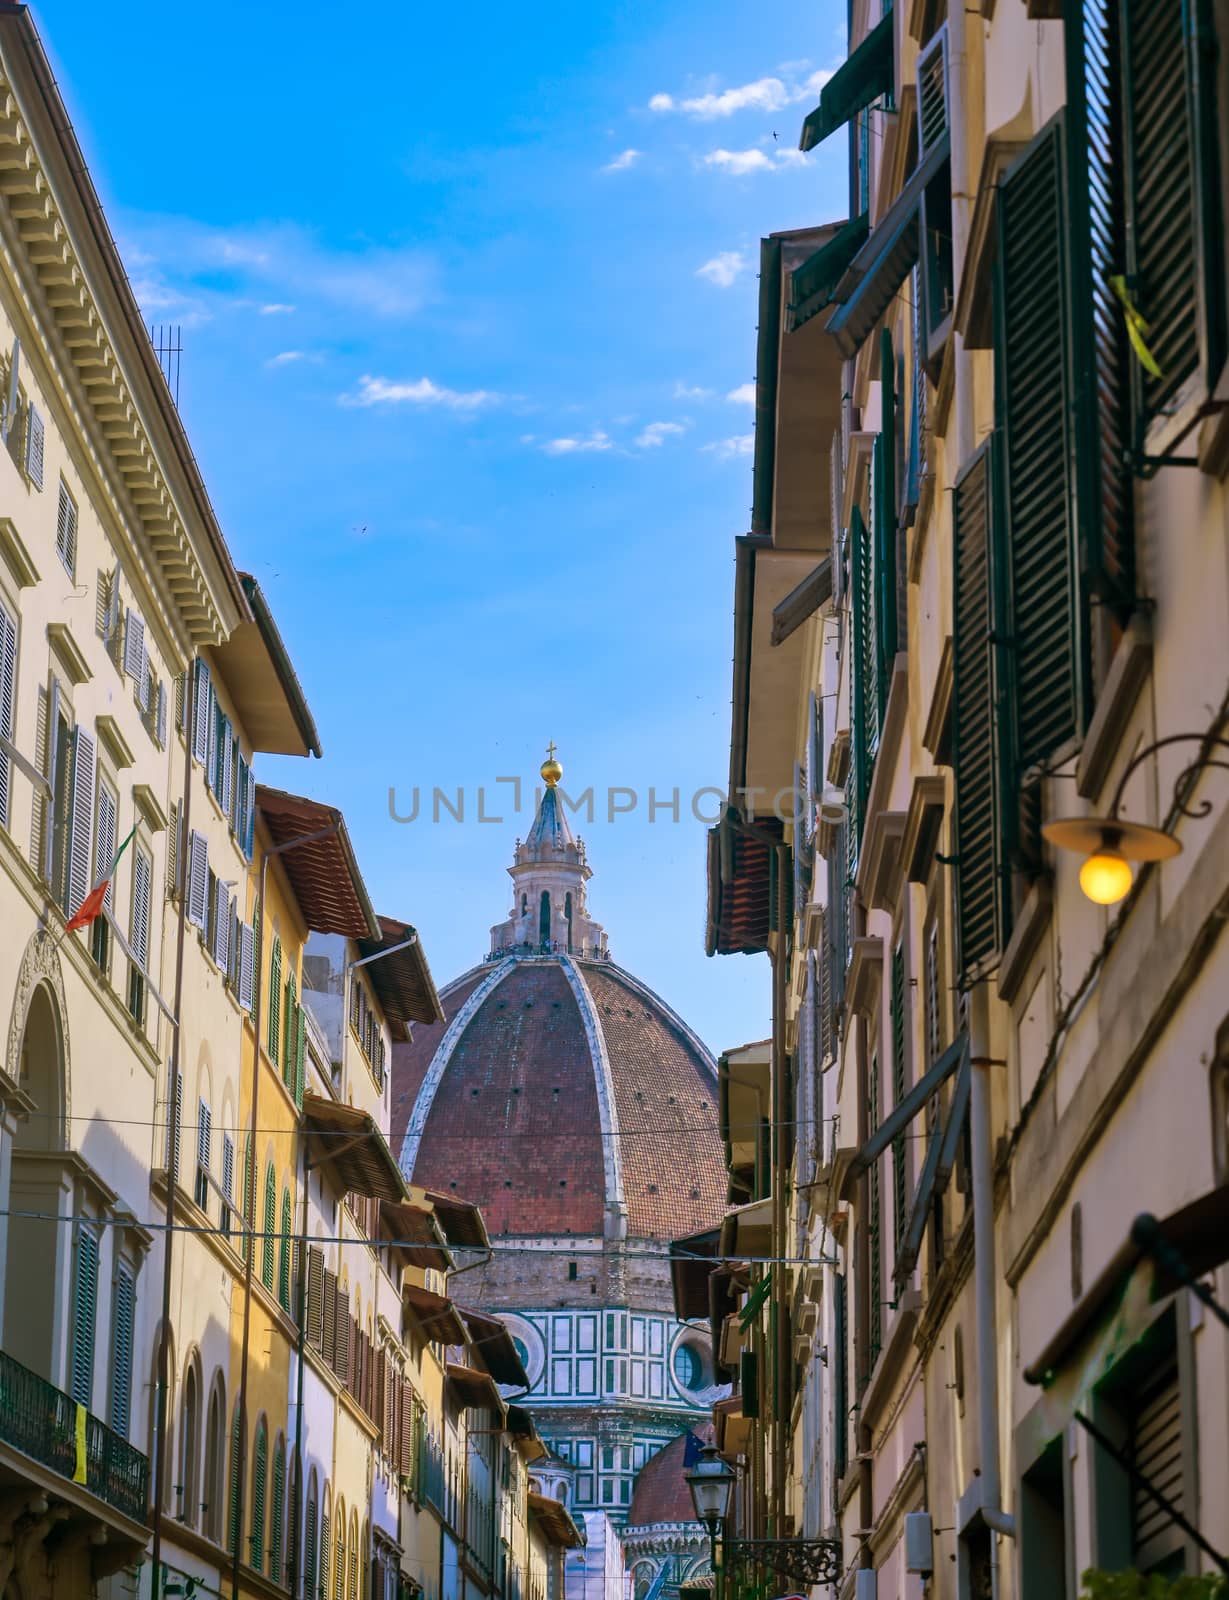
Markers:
point(468, 307)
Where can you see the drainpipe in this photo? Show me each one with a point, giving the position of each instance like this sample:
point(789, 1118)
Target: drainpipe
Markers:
point(782, 1113)
point(298, 1550)
point(993, 1515)
point(158, 1477)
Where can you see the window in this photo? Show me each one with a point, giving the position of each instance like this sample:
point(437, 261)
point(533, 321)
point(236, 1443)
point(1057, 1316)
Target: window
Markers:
point(275, 1000)
point(204, 1141)
point(105, 840)
point(136, 656)
point(142, 879)
point(213, 1486)
point(688, 1369)
point(189, 1448)
point(311, 1557)
point(66, 529)
point(123, 1319)
point(198, 880)
point(8, 703)
point(260, 1469)
point(85, 1311)
point(277, 1511)
point(228, 1181)
point(283, 1266)
point(270, 1228)
point(935, 220)
point(232, 1525)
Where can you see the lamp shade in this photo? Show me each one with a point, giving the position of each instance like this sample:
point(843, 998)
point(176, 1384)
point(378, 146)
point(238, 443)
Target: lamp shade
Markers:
point(711, 1482)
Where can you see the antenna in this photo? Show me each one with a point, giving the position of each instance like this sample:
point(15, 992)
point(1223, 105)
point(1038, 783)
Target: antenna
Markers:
point(167, 340)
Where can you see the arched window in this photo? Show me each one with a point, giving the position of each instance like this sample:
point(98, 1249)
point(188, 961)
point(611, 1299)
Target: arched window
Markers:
point(232, 1521)
point(311, 1555)
point(524, 905)
point(260, 1469)
point(339, 1552)
point(276, 1511)
point(187, 1488)
point(353, 1589)
point(283, 1263)
point(567, 911)
point(266, 1254)
point(544, 919)
point(213, 1490)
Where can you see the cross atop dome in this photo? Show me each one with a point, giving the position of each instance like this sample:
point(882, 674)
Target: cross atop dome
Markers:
point(549, 870)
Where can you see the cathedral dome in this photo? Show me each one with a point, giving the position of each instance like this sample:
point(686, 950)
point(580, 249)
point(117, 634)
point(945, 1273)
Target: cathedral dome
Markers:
point(560, 1094)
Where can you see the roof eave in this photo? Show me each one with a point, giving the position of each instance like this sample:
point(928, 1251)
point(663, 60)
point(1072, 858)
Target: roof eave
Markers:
point(279, 659)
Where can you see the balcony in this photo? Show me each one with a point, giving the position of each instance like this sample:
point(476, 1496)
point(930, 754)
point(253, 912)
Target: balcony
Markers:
point(41, 1422)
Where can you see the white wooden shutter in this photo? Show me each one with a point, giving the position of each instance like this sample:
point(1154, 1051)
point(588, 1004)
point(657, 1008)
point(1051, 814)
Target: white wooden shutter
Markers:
point(200, 712)
point(174, 1124)
point(104, 849)
point(932, 118)
point(204, 1136)
point(198, 878)
point(81, 825)
point(142, 873)
point(221, 927)
point(8, 693)
point(160, 715)
point(134, 646)
point(249, 841)
point(228, 1177)
point(211, 742)
point(226, 758)
point(35, 440)
point(247, 965)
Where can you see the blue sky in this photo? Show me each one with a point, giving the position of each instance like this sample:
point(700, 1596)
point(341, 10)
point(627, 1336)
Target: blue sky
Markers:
point(468, 298)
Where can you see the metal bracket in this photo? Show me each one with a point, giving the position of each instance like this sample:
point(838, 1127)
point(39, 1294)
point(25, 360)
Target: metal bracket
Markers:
point(800, 1561)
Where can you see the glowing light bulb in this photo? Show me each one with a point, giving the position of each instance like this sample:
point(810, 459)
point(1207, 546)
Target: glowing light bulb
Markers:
point(1105, 877)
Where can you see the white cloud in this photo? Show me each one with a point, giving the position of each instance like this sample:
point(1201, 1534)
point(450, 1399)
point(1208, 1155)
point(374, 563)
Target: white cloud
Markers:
point(765, 94)
point(657, 433)
point(625, 159)
point(741, 444)
point(597, 440)
point(285, 357)
point(744, 395)
point(738, 163)
point(686, 391)
point(417, 392)
point(276, 309)
point(724, 268)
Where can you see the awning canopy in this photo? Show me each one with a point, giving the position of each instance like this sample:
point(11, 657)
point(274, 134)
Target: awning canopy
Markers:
point(691, 1262)
point(402, 981)
point(474, 1389)
point(747, 1230)
point(415, 1229)
point(255, 666)
point(435, 1313)
point(461, 1221)
point(869, 72)
point(1197, 1236)
point(324, 875)
point(739, 886)
point(555, 1522)
point(813, 284)
point(744, 1088)
point(732, 1429)
point(802, 602)
point(529, 1441)
point(348, 1143)
point(496, 1348)
point(884, 261)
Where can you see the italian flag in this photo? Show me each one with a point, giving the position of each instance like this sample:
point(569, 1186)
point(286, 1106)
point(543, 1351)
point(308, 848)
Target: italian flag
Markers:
point(92, 904)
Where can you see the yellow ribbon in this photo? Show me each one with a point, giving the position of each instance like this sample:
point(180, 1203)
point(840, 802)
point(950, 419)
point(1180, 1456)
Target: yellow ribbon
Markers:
point(1137, 327)
point(79, 1469)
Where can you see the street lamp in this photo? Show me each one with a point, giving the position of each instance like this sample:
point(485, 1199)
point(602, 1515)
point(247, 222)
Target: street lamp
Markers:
point(711, 1482)
point(1109, 844)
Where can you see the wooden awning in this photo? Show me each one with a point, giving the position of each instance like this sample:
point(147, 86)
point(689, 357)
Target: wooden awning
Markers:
point(553, 1519)
point(435, 1313)
point(347, 1143)
point(496, 1348)
point(690, 1265)
point(740, 873)
point(474, 1389)
point(415, 1229)
point(324, 875)
point(520, 1425)
point(402, 981)
point(461, 1221)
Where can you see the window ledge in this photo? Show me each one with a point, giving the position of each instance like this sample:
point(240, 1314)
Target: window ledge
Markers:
point(865, 977)
point(117, 746)
point(923, 823)
point(69, 653)
point(1126, 677)
point(17, 557)
point(879, 878)
point(1031, 924)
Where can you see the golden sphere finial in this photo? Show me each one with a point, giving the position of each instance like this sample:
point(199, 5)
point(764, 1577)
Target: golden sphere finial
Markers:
point(550, 768)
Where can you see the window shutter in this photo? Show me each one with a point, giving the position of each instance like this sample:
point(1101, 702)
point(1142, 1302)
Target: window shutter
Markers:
point(315, 1297)
point(275, 1519)
point(221, 927)
point(174, 1125)
point(174, 850)
point(228, 1179)
point(247, 965)
point(200, 712)
point(212, 719)
point(874, 1228)
point(300, 1059)
point(325, 1553)
point(198, 878)
point(249, 1195)
point(840, 1378)
point(104, 848)
point(160, 715)
point(343, 1337)
point(1155, 1445)
point(864, 697)
point(270, 1228)
point(900, 1170)
point(204, 1150)
point(8, 702)
point(123, 1322)
point(35, 446)
point(134, 645)
point(406, 1453)
point(142, 878)
point(260, 1466)
point(275, 999)
point(233, 1519)
point(978, 881)
point(886, 629)
point(932, 120)
point(85, 1310)
point(81, 832)
point(1044, 656)
point(251, 814)
point(66, 530)
point(310, 1560)
point(226, 758)
point(283, 1264)
point(328, 1324)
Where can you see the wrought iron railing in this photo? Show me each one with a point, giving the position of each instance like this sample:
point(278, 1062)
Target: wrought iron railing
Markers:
point(41, 1422)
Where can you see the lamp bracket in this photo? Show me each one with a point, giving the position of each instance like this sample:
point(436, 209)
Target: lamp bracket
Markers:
point(802, 1562)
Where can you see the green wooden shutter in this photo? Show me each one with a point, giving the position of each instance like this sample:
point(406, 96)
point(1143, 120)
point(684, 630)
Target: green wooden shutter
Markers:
point(326, 1551)
point(300, 1058)
point(283, 1265)
point(310, 1557)
point(258, 940)
point(290, 1032)
point(900, 1171)
point(840, 1380)
point(270, 1228)
point(275, 999)
point(232, 1525)
point(979, 898)
point(874, 1229)
point(1045, 645)
point(85, 1312)
point(864, 690)
point(276, 1512)
point(249, 1194)
point(886, 630)
point(123, 1318)
point(260, 1467)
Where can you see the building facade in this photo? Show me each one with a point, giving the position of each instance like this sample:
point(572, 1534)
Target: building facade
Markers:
point(992, 1353)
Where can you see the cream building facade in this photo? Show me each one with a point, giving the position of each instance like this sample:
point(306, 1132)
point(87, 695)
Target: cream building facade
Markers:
point(992, 1355)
